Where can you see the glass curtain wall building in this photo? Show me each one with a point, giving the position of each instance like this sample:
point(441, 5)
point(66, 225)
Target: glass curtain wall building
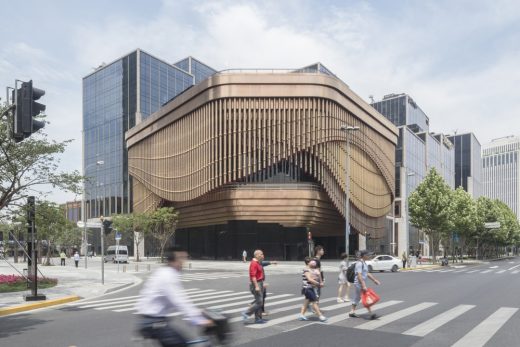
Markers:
point(468, 163)
point(500, 172)
point(116, 97)
point(417, 152)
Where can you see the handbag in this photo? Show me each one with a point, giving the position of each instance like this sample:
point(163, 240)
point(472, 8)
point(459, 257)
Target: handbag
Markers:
point(369, 297)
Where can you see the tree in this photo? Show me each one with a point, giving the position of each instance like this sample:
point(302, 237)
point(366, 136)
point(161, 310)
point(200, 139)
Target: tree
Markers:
point(429, 208)
point(31, 163)
point(164, 222)
point(52, 225)
point(463, 215)
point(137, 223)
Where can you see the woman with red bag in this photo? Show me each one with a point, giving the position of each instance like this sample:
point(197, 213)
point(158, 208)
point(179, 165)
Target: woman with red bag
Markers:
point(360, 285)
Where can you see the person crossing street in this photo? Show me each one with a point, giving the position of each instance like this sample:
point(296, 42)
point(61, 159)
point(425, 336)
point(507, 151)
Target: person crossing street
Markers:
point(256, 286)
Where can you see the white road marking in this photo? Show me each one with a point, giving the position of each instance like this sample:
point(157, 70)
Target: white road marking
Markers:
point(395, 316)
point(501, 271)
point(472, 271)
point(430, 325)
point(493, 267)
point(343, 316)
point(514, 267)
point(485, 271)
point(483, 332)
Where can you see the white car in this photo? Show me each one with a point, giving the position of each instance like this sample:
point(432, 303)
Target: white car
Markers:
point(384, 262)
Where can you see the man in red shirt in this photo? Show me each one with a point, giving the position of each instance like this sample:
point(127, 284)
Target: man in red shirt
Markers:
point(256, 285)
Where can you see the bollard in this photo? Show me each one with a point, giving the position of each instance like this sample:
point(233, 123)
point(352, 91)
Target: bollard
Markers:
point(124, 268)
point(136, 267)
point(148, 266)
point(189, 266)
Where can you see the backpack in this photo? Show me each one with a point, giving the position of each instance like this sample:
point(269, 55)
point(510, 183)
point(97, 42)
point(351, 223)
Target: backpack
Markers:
point(351, 272)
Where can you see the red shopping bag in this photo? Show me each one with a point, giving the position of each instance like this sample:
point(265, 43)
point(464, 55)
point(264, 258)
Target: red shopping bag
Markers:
point(369, 297)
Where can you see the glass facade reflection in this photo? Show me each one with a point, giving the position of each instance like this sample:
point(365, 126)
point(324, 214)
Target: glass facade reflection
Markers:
point(199, 70)
point(418, 150)
point(468, 170)
point(116, 97)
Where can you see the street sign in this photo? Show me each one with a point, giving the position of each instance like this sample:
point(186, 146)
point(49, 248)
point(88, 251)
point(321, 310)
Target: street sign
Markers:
point(118, 236)
point(492, 225)
point(81, 224)
point(422, 242)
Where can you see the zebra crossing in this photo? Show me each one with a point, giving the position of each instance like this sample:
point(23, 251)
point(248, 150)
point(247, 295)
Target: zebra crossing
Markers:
point(203, 276)
point(510, 271)
point(284, 309)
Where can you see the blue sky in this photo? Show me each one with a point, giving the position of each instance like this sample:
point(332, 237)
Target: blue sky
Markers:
point(459, 60)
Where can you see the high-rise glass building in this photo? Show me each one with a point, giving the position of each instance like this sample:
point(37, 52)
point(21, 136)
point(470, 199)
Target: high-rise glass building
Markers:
point(116, 97)
point(500, 171)
point(468, 163)
point(418, 150)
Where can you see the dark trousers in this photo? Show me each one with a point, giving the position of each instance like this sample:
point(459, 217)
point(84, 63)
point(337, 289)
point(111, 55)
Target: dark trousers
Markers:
point(263, 301)
point(77, 262)
point(62, 261)
point(160, 329)
point(256, 308)
point(404, 264)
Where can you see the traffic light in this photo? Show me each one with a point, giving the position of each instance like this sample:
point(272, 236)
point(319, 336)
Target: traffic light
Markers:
point(107, 226)
point(26, 108)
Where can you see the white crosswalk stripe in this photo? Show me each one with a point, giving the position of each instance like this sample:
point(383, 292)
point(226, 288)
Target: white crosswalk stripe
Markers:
point(483, 332)
point(395, 316)
point(202, 276)
point(284, 311)
point(469, 271)
point(430, 325)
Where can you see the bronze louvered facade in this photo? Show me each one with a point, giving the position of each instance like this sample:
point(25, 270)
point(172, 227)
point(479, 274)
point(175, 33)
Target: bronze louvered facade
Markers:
point(266, 148)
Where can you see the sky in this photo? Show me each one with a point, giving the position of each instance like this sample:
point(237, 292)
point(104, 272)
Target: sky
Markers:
point(459, 60)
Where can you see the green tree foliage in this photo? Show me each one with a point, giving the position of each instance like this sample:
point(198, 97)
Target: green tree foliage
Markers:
point(463, 215)
point(139, 224)
point(26, 165)
point(164, 223)
point(53, 227)
point(429, 208)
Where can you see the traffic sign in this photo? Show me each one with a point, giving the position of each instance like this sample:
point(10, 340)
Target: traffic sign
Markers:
point(492, 225)
point(81, 224)
point(118, 236)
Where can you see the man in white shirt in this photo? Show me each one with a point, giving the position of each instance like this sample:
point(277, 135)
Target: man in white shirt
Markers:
point(162, 295)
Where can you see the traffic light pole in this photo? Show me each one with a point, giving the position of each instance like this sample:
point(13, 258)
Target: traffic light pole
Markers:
point(102, 229)
point(34, 262)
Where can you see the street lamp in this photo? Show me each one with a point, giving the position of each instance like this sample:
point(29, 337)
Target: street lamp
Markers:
point(347, 129)
point(84, 212)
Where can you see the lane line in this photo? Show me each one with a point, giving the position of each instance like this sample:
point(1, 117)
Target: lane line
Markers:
point(344, 316)
point(395, 316)
point(483, 332)
point(501, 271)
point(285, 308)
point(436, 322)
point(472, 271)
point(485, 271)
point(514, 267)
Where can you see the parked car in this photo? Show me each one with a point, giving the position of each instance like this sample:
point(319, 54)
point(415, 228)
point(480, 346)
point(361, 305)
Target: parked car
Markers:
point(384, 262)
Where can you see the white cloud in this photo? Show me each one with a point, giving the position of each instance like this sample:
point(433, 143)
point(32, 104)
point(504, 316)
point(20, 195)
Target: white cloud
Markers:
point(458, 60)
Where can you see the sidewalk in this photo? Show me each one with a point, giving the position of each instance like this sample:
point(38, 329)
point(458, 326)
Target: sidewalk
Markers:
point(73, 283)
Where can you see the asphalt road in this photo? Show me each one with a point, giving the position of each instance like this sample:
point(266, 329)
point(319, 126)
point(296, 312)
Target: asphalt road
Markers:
point(457, 306)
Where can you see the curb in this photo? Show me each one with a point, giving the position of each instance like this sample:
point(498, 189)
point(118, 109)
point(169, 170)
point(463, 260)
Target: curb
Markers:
point(423, 267)
point(33, 306)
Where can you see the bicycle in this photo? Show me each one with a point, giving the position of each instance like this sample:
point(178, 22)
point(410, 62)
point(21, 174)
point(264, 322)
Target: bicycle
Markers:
point(218, 334)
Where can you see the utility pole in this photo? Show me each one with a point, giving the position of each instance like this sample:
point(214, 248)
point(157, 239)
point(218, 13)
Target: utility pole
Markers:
point(32, 261)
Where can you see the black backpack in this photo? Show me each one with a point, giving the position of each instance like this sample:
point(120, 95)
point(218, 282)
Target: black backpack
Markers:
point(351, 272)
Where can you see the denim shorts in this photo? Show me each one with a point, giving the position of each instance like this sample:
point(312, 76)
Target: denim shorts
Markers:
point(310, 294)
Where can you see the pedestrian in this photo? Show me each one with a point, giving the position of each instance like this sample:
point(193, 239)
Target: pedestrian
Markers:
point(319, 251)
point(404, 258)
point(343, 284)
point(264, 264)
point(310, 282)
point(62, 257)
point(162, 295)
point(360, 285)
point(244, 256)
point(256, 286)
point(76, 258)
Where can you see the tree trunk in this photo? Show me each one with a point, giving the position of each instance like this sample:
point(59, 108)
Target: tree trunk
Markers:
point(48, 257)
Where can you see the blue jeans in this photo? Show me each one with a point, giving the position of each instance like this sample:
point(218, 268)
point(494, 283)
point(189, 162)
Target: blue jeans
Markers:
point(160, 329)
point(259, 301)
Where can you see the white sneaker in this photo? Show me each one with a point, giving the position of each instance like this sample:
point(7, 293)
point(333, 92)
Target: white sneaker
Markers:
point(346, 299)
point(340, 300)
point(322, 318)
